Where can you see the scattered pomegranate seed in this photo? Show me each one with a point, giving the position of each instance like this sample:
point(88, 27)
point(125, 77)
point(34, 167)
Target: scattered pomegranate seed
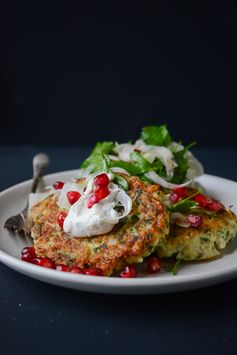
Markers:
point(61, 267)
point(182, 192)
point(94, 271)
point(58, 185)
point(174, 198)
point(208, 202)
point(201, 199)
point(92, 200)
point(101, 192)
point(61, 218)
point(195, 221)
point(129, 271)
point(102, 180)
point(44, 262)
point(214, 205)
point(77, 270)
point(28, 254)
point(73, 196)
point(153, 264)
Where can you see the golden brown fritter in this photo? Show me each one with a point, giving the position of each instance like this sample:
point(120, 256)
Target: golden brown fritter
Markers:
point(200, 243)
point(129, 242)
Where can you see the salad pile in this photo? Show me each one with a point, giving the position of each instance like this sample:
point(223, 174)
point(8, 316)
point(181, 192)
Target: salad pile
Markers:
point(154, 157)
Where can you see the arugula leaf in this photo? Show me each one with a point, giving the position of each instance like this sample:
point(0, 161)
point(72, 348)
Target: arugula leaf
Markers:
point(106, 163)
point(140, 162)
point(97, 156)
point(130, 167)
point(181, 170)
point(146, 166)
point(156, 135)
point(159, 168)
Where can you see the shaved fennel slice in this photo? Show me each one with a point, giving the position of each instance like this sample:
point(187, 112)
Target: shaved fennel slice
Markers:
point(151, 152)
point(120, 171)
point(195, 167)
point(124, 151)
point(175, 147)
point(164, 155)
point(63, 202)
point(179, 219)
point(152, 175)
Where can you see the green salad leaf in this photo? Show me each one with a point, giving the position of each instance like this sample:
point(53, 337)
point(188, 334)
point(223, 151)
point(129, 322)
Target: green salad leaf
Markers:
point(156, 135)
point(140, 162)
point(131, 168)
point(97, 156)
point(181, 170)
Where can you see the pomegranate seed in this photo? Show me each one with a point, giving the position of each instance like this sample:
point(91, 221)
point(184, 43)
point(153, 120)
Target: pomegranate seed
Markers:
point(102, 180)
point(64, 268)
point(77, 270)
point(92, 200)
point(201, 199)
point(101, 192)
point(58, 185)
point(73, 196)
point(129, 271)
point(154, 264)
point(28, 254)
point(194, 220)
point(182, 192)
point(174, 198)
point(94, 271)
point(44, 262)
point(214, 205)
point(61, 218)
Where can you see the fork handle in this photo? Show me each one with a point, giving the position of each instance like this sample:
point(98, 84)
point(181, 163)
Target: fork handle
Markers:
point(40, 163)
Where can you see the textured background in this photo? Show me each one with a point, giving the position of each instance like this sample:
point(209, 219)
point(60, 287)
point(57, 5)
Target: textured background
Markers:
point(79, 72)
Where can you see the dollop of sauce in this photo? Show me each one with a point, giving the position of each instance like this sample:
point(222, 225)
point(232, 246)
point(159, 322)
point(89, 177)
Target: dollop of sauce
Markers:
point(82, 221)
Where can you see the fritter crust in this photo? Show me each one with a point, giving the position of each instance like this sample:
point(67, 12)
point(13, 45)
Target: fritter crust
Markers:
point(217, 230)
point(130, 241)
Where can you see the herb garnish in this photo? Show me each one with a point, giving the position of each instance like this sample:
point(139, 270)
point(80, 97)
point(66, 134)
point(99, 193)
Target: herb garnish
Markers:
point(173, 268)
point(185, 205)
point(97, 155)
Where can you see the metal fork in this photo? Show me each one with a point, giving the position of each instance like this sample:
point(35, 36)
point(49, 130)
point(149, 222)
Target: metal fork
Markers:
point(21, 222)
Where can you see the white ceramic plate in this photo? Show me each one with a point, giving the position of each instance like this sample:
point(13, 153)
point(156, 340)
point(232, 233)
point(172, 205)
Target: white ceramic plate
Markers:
point(190, 275)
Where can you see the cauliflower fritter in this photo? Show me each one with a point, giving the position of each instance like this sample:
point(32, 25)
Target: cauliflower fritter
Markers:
point(132, 239)
point(206, 242)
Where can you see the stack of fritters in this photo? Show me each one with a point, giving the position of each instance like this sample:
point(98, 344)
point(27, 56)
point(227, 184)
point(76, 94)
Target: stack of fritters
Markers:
point(144, 231)
point(132, 239)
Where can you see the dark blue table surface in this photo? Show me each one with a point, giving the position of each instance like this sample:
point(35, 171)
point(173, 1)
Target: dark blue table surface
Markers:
point(37, 318)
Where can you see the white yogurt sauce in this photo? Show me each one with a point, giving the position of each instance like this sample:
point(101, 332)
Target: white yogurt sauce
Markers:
point(82, 221)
